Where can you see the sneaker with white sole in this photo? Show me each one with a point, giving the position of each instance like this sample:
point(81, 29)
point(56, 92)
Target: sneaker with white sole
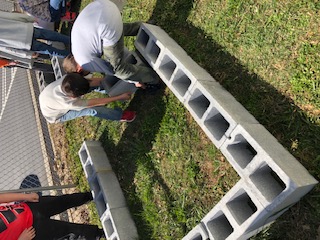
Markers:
point(128, 116)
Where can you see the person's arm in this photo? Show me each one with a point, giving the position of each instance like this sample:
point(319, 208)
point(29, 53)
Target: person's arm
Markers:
point(16, 197)
point(103, 101)
point(95, 81)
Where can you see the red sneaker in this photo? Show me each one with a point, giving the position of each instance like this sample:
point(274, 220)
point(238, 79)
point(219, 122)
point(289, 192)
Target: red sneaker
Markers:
point(69, 17)
point(128, 116)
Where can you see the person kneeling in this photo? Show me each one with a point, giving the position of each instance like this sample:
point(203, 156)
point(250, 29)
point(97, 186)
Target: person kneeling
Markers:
point(61, 101)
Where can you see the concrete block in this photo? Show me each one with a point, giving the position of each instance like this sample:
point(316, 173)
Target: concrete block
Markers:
point(199, 232)
point(111, 190)
point(235, 214)
point(92, 153)
point(275, 176)
point(118, 224)
point(216, 111)
point(151, 41)
point(180, 72)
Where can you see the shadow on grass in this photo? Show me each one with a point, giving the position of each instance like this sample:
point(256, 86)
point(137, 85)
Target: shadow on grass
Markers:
point(133, 147)
point(287, 122)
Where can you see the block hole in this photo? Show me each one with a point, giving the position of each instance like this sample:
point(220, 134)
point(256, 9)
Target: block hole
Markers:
point(143, 38)
point(108, 226)
point(181, 82)
point(167, 67)
point(268, 182)
point(216, 124)
point(220, 227)
point(101, 204)
point(241, 207)
point(241, 151)
point(154, 51)
point(199, 103)
point(83, 156)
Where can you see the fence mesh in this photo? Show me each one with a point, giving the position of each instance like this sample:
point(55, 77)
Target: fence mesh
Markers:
point(26, 150)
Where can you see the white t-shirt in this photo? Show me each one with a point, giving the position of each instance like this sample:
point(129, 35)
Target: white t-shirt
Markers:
point(54, 103)
point(98, 25)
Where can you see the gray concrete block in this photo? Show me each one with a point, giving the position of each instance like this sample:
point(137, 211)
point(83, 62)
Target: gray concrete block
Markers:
point(180, 72)
point(199, 232)
point(276, 177)
point(92, 153)
point(216, 111)
point(118, 224)
point(151, 41)
point(111, 190)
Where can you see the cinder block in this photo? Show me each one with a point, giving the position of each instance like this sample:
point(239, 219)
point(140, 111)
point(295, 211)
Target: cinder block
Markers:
point(275, 176)
point(92, 153)
point(199, 232)
point(180, 72)
point(169, 60)
point(111, 190)
point(118, 224)
point(151, 41)
point(235, 214)
point(216, 111)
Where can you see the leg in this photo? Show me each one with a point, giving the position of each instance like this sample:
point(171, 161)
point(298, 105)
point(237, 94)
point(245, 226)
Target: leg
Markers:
point(52, 205)
point(52, 36)
point(40, 33)
point(101, 112)
point(54, 229)
point(126, 71)
point(43, 48)
point(57, 9)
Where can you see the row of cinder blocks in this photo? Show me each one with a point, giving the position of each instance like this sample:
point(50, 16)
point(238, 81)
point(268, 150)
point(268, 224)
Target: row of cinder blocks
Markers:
point(107, 194)
point(271, 178)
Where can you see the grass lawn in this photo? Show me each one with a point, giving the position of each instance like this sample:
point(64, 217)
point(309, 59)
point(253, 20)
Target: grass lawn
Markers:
point(267, 55)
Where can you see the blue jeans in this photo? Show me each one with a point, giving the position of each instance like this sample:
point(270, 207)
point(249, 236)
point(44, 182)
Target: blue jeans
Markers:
point(100, 112)
point(57, 9)
point(46, 34)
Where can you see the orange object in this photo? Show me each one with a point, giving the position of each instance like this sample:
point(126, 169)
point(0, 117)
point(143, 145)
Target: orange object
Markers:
point(4, 62)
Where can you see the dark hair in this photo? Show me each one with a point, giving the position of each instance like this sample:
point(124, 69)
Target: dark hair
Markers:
point(74, 85)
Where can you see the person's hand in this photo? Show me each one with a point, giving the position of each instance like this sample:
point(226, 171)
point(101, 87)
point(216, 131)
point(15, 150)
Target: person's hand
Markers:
point(140, 85)
point(35, 55)
point(125, 96)
point(27, 234)
point(13, 63)
point(32, 197)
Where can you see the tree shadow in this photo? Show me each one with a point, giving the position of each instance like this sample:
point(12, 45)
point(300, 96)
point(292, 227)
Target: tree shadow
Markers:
point(282, 118)
point(271, 108)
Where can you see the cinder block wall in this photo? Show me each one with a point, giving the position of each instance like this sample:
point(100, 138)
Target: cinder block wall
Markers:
point(271, 181)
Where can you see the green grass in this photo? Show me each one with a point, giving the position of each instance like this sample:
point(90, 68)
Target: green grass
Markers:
point(265, 53)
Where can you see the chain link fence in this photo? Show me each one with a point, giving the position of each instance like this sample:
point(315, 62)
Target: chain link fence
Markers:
point(26, 150)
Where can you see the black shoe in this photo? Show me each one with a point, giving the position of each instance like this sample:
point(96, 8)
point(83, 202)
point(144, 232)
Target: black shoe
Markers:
point(152, 88)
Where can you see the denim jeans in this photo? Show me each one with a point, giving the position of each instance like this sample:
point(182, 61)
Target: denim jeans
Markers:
point(126, 71)
point(57, 8)
point(44, 48)
point(100, 112)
